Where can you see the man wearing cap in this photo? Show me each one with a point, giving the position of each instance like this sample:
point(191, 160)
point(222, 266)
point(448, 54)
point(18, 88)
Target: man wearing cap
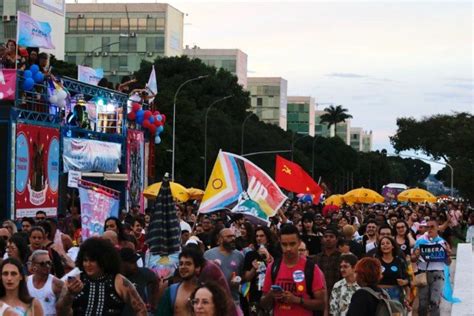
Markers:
point(143, 279)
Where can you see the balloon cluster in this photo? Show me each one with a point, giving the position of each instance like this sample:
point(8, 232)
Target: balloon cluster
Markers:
point(152, 121)
point(32, 76)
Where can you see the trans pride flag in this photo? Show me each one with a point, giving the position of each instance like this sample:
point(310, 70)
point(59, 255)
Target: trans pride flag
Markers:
point(238, 185)
point(32, 33)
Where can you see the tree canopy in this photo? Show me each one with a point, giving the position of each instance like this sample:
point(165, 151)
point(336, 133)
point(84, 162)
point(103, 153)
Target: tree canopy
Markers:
point(335, 115)
point(447, 137)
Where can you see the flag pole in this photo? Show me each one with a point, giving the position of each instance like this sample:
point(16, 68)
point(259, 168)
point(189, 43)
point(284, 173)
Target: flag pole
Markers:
point(16, 37)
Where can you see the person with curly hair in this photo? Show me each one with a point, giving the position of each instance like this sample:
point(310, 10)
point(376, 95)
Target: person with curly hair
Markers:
point(209, 300)
point(100, 289)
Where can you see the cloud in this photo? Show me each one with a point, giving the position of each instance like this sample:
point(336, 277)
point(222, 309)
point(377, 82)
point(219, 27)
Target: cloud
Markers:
point(346, 75)
point(467, 86)
point(452, 96)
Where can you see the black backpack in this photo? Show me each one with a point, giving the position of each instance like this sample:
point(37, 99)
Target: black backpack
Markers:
point(308, 274)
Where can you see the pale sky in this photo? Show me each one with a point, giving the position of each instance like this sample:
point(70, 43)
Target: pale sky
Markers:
point(380, 60)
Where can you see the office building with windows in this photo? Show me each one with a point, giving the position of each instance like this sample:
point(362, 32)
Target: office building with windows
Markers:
point(43, 11)
point(118, 36)
point(232, 60)
point(342, 130)
point(361, 140)
point(301, 115)
point(268, 99)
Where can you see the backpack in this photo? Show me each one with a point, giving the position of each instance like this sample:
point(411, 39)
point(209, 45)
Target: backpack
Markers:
point(386, 306)
point(308, 273)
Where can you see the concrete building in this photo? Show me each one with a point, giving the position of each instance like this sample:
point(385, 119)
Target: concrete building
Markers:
point(269, 99)
point(232, 60)
point(118, 36)
point(301, 116)
point(342, 130)
point(42, 11)
point(361, 140)
point(322, 129)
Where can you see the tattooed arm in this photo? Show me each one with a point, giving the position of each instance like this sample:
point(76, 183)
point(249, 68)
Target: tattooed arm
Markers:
point(129, 295)
point(66, 298)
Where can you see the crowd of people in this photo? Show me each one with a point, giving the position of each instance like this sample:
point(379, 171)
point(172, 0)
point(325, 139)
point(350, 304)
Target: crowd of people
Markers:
point(307, 261)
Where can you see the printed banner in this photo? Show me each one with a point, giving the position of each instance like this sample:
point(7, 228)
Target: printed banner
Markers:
point(56, 6)
point(97, 204)
point(32, 33)
point(135, 167)
point(36, 170)
point(238, 185)
point(91, 155)
point(390, 194)
point(89, 75)
point(433, 253)
point(7, 84)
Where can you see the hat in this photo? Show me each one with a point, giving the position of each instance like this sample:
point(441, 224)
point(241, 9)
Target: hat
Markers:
point(129, 255)
point(331, 230)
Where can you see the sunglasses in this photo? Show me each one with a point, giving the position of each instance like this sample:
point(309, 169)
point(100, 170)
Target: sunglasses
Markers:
point(44, 263)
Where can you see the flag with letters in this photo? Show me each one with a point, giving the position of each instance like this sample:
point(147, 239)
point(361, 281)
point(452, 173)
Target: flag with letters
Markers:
point(238, 185)
point(291, 176)
point(32, 33)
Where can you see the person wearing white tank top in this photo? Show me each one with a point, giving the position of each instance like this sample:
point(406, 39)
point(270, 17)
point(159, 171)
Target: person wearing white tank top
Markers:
point(41, 284)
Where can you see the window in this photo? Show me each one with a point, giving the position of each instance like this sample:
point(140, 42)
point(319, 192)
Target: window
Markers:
point(72, 25)
point(81, 44)
point(133, 24)
point(105, 44)
point(107, 24)
point(229, 65)
point(88, 61)
point(128, 44)
point(115, 24)
point(71, 59)
point(142, 24)
point(98, 24)
point(123, 61)
point(160, 23)
point(124, 25)
point(123, 45)
point(81, 24)
point(114, 63)
point(89, 24)
point(155, 44)
point(259, 101)
point(150, 25)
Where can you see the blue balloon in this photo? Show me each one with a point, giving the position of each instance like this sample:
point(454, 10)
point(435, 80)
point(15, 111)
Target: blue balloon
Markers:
point(39, 77)
point(34, 69)
point(157, 139)
point(160, 129)
point(27, 74)
point(151, 119)
point(159, 117)
point(140, 113)
point(140, 116)
point(28, 84)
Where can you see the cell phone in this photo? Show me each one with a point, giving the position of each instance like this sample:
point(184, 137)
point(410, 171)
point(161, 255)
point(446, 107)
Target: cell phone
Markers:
point(69, 278)
point(277, 288)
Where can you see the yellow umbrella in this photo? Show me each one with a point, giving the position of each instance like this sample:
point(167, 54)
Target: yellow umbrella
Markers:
point(335, 199)
point(179, 192)
point(195, 194)
point(416, 195)
point(363, 195)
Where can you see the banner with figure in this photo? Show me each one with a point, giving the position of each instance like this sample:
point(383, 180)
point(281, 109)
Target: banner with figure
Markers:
point(238, 185)
point(135, 167)
point(36, 170)
point(89, 75)
point(32, 33)
point(97, 204)
point(89, 155)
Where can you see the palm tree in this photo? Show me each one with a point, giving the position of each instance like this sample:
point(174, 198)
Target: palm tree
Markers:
point(335, 115)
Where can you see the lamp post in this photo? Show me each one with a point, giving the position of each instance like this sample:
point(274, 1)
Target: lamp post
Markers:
point(438, 162)
point(242, 133)
point(205, 135)
point(174, 121)
point(107, 45)
point(293, 142)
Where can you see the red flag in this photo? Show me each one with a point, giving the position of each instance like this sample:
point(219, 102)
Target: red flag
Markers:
point(7, 84)
point(290, 176)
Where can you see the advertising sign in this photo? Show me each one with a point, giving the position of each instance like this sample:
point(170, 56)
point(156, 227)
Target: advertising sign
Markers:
point(36, 170)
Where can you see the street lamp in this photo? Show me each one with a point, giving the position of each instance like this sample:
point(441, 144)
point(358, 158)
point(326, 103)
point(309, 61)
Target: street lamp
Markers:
point(293, 142)
point(438, 162)
point(104, 46)
point(242, 133)
point(174, 121)
point(205, 135)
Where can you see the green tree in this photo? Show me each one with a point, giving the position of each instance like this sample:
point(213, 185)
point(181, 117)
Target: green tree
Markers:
point(63, 68)
point(335, 115)
point(443, 136)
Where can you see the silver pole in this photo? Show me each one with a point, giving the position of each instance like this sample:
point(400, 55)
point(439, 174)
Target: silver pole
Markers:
point(174, 122)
